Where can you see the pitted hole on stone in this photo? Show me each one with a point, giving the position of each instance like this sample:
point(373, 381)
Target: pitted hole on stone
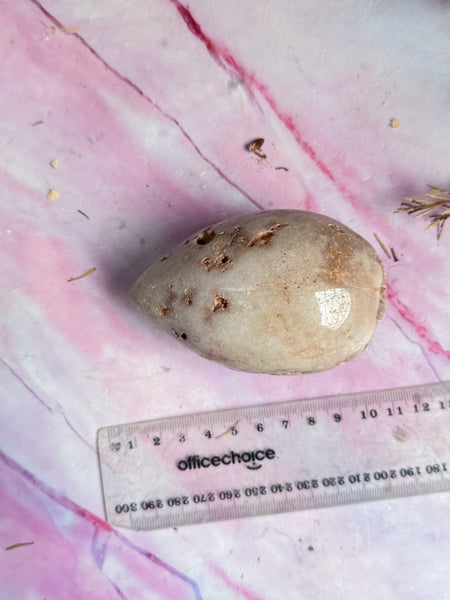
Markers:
point(168, 305)
point(220, 304)
point(205, 237)
point(181, 335)
point(188, 297)
point(221, 262)
point(263, 238)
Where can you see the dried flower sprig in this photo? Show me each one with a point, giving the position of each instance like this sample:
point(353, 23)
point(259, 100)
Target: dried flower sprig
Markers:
point(436, 204)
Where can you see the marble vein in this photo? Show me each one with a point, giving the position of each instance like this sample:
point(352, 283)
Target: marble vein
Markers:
point(59, 410)
point(407, 315)
point(155, 105)
point(26, 386)
point(427, 360)
point(239, 589)
point(225, 60)
point(99, 550)
point(134, 99)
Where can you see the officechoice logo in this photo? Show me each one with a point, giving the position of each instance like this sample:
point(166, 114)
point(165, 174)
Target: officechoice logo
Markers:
point(252, 460)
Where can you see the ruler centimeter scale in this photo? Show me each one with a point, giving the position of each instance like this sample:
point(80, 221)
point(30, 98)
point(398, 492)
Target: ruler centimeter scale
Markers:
point(276, 458)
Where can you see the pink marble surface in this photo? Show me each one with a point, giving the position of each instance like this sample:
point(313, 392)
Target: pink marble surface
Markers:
point(147, 106)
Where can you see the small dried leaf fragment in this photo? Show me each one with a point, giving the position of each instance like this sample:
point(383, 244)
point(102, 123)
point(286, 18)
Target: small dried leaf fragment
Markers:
point(255, 147)
point(394, 123)
point(53, 195)
point(54, 163)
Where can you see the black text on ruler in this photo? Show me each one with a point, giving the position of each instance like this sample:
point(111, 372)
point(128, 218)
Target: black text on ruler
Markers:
point(276, 458)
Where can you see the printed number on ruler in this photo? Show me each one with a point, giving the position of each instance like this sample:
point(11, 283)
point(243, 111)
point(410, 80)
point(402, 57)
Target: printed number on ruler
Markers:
point(275, 458)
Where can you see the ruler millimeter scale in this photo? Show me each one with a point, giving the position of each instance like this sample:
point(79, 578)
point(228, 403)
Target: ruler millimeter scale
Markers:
point(276, 458)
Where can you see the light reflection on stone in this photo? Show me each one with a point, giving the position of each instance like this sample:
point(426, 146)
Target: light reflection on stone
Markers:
point(334, 305)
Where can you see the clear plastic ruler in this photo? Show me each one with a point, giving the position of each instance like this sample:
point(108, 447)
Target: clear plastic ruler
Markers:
point(277, 457)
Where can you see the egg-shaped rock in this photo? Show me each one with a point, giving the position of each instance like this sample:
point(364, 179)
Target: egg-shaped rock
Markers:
point(281, 292)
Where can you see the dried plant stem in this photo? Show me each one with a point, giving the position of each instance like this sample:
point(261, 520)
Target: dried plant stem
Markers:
point(81, 276)
point(436, 204)
point(19, 545)
point(382, 246)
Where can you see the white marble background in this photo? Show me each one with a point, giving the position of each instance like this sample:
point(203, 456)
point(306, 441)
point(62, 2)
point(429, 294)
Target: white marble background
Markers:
point(147, 105)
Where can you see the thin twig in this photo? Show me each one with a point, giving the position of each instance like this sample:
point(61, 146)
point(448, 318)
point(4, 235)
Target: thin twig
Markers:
point(383, 247)
point(84, 275)
point(229, 430)
point(19, 545)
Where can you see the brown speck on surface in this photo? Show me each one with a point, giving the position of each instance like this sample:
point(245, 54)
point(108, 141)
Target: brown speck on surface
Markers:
point(281, 169)
point(37, 123)
point(337, 267)
point(310, 548)
point(393, 255)
point(163, 310)
point(336, 228)
point(164, 258)
point(182, 335)
point(83, 213)
point(401, 434)
point(382, 305)
point(220, 261)
point(188, 297)
point(81, 276)
point(417, 398)
point(255, 147)
point(238, 236)
point(394, 123)
point(383, 294)
point(205, 237)
point(207, 263)
point(263, 237)
point(220, 304)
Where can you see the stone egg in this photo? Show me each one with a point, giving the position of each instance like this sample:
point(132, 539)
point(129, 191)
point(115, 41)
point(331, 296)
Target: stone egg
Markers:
point(282, 292)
